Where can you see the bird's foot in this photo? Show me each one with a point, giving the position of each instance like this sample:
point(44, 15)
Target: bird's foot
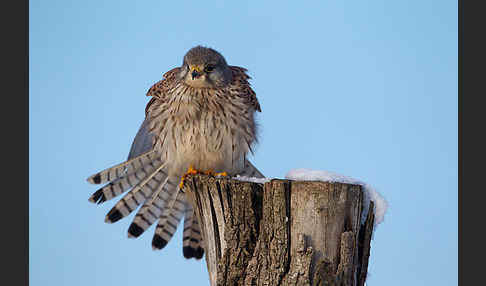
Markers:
point(192, 171)
point(212, 173)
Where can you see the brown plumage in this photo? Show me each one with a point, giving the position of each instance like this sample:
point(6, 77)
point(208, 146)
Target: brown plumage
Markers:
point(200, 115)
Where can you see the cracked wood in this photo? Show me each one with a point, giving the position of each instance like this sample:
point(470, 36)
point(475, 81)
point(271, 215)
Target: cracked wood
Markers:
point(282, 232)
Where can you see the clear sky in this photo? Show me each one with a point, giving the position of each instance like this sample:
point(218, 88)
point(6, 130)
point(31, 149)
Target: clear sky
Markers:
point(367, 89)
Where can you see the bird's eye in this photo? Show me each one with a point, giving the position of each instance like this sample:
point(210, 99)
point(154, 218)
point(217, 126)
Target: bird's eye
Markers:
point(209, 69)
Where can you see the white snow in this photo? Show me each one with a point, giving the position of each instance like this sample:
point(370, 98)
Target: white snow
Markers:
point(252, 179)
point(370, 193)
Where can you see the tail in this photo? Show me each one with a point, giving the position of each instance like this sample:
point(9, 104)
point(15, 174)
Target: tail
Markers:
point(161, 199)
point(123, 176)
point(191, 237)
point(167, 225)
point(157, 207)
point(151, 187)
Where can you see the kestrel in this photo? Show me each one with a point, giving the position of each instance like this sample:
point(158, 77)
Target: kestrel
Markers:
point(201, 116)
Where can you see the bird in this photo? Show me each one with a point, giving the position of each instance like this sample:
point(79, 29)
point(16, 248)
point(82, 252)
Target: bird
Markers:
point(200, 116)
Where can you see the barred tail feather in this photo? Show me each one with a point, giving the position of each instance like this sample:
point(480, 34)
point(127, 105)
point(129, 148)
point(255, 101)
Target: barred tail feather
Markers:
point(153, 209)
point(191, 237)
point(139, 194)
point(168, 222)
point(121, 169)
point(125, 182)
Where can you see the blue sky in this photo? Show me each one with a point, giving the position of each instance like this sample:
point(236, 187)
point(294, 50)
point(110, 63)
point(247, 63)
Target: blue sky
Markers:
point(367, 89)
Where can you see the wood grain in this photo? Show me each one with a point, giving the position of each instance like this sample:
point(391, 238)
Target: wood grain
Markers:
point(282, 232)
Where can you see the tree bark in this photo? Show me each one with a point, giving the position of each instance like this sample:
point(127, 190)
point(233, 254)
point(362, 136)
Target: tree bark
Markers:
point(282, 232)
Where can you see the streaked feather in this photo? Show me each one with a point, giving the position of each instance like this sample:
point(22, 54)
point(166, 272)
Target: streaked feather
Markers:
point(212, 128)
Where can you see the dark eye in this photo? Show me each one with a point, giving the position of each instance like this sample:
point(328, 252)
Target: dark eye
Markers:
point(209, 69)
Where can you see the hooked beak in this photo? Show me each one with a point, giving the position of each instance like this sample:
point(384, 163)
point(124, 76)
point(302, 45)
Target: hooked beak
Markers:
point(195, 71)
point(195, 74)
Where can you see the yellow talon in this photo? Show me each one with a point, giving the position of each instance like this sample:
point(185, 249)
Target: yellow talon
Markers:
point(181, 184)
point(192, 171)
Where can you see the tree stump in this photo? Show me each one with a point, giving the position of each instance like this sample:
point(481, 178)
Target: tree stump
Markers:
point(282, 232)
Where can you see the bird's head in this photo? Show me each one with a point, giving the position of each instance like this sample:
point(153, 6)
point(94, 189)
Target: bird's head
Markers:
point(205, 68)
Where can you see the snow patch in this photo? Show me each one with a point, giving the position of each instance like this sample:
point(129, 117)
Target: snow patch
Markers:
point(252, 179)
point(370, 193)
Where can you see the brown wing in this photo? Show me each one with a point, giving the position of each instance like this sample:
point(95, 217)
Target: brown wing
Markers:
point(240, 79)
point(162, 86)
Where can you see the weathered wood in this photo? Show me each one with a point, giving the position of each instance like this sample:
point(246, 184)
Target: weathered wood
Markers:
point(282, 232)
